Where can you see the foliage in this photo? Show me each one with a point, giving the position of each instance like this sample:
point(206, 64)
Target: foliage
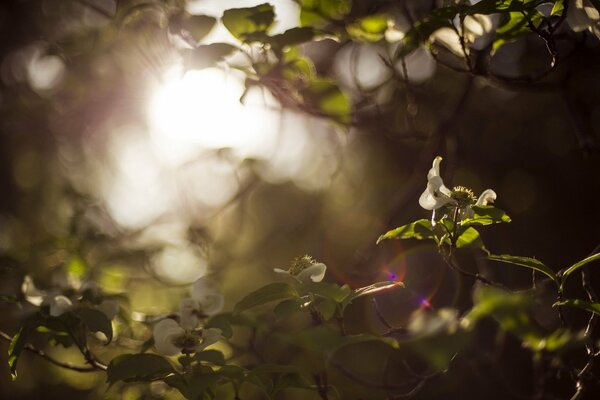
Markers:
point(301, 335)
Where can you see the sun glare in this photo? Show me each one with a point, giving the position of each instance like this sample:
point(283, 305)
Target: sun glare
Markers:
point(202, 109)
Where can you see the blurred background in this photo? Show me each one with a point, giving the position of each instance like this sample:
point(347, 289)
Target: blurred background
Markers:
point(117, 166)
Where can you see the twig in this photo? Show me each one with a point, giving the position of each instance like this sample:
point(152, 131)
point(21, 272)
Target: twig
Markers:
point(96, 366)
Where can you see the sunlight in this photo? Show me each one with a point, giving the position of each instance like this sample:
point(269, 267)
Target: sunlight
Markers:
point(202, 110)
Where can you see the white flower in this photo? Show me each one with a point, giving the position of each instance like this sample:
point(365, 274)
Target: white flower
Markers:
point(188, 313)
point(305, 269)
point(170, 338)
point(488, 196)
point(436, 194)
point(582, 15)
point(60, 305)
point(209, 297)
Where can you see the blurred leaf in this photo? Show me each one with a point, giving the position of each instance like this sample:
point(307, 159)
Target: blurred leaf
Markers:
point(437, 336)
point(95, 321)
point(325, 307)
point(328, 290)
point(470, 238)
point(320, 12)
point(19, 341)
point(325, 97)
point(266, 294)
point(76, 268)
point(527, 262)
point(327, 340)
point(205, 56)
point(222, 322)
point(579, 264)
point(370, 28)
point(137, 367)
point(420, 229)
point(581, 304)
point(196, 383)
point(486, 215)
point(512, 312)
point(287, 308)
point(211, 356)
point(292, 37)
point(249, 24)
point(418, 34)
point(558, 8)
point(501, 6)
point(517, 26)
point(197, 26)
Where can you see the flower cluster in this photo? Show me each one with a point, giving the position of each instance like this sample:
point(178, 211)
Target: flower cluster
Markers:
point(173, 337)
point(437, 195)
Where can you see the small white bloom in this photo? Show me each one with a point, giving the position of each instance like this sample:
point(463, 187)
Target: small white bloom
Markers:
point(60, 305)
point(436, 194)
point(305, 269)
point(488, 196)
point(170, 338)
point(165, 334)
point(210, 299)
point(31, 292)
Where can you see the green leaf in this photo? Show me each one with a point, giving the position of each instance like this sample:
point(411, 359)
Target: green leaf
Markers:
point(369, 29)
point(581, 304)
point(486, 215)
point(19, 341)
point(527, 262)
point(517, 26)
point(324, 97)
point(137, 367)
point(266, 294)
point(325, 307)
point(320, 12)
point(287, 308)
point(596, 3)
point(211, 356)
point(222, 322)
point(292, 37)
point(249, 24)
point(372, 289)
point(327, 340)
point(558, 9)
point(328, 290)
point(470, 238)
point(95, 321)
point(420, 229)
point(579, 264)
point(197, 26)
point(511, 310)
point(501, 6)
point(205, 56)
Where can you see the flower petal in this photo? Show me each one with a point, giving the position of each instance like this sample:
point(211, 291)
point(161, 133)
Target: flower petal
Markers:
point(60, 305)
point(435, 195)
point(206, 292)
point(435, 168)
point(188, 313)
point(165, 332)
point(315, 273)
point(488, 196)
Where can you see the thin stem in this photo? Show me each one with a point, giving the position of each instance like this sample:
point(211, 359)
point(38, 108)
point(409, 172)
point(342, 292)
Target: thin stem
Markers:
point(29, 347)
